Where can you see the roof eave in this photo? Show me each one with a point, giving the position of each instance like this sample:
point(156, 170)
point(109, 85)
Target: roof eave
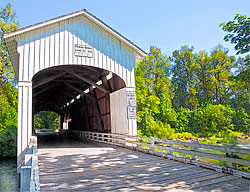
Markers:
point(42, 24)
point(12, 35)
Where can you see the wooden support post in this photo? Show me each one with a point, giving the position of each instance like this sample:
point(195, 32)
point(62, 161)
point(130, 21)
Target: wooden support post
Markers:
point(85, 114)
point(96, 110)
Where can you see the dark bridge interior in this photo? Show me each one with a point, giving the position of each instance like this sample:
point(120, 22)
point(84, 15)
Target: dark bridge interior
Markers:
point(79, 94)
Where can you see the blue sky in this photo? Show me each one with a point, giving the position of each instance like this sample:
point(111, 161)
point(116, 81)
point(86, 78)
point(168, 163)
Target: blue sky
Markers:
point(162, 23)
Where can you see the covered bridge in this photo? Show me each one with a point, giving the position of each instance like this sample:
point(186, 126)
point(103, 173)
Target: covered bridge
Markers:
point(79, 67)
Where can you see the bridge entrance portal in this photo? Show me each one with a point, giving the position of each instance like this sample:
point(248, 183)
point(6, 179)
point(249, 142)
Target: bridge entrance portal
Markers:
point(78, 67)
point(79, 94)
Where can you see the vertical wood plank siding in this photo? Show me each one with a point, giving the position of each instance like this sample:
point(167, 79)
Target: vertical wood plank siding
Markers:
point(24, 115)
point(54, 45)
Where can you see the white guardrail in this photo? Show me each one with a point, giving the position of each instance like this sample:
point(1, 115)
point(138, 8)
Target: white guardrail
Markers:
point(166, 148)
point(29, 173)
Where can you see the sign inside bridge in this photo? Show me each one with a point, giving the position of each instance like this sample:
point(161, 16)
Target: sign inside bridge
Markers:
point(131, 112)
point(131, 99)
point(83, 51)
point(131, 103)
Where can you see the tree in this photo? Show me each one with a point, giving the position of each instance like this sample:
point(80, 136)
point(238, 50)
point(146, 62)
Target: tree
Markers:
point(241, 89)
point(8, 120)
point(46, 120)
point(8, 23)
point(8, 106)
point(183, 79)
point(239, 33)
point(203, 79)
point(220, 73)
point(8, 93)
point(153, 93)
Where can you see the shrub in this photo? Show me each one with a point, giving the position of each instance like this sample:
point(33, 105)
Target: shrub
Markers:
point(161, 130)
point(241, 120)
point(8, 142)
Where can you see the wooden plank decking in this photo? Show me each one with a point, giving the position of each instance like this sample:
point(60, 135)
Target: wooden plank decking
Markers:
point(67, 165)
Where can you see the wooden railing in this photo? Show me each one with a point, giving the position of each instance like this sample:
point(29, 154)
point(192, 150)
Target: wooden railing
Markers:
point(189, 152)
point(29, 175)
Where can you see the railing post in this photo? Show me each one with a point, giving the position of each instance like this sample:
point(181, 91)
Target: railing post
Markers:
point(25, 178)
point(152, 145)
point(171, 146)
point(231, 164)
point(195, 147)
point(34, 179)
point(229, 156)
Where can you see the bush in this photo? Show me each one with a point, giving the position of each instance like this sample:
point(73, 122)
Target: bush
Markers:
point(241, 120)
point(183, 136)
point(8, 142)
point(161, 130)
point(182, 122)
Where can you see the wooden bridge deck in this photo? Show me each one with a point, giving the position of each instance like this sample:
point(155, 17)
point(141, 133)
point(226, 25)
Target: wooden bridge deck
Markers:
point(67, 165)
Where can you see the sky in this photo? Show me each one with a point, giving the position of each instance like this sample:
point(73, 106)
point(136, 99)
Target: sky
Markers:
point(166, 24)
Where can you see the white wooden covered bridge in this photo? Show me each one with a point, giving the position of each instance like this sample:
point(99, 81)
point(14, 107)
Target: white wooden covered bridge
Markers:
point(80, 68)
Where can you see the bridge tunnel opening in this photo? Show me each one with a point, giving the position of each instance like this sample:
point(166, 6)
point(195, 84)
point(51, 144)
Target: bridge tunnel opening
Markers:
point(79, 94)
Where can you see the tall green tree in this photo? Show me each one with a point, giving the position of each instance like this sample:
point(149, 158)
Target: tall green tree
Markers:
point(220, 73)
point(241, 89)
point(153, 92)
point(203, 77)
point(8, 23)
point(8, 93)
point(183, 79)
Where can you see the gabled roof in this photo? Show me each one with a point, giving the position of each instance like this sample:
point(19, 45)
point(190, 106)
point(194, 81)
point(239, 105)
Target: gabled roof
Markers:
point(11, 35)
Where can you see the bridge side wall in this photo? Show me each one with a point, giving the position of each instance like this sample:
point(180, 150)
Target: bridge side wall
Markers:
point(121, 123)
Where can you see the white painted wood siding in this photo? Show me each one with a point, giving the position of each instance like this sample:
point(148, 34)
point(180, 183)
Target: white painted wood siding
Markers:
point(54, 46)
point(118, 112)
point(24, 116)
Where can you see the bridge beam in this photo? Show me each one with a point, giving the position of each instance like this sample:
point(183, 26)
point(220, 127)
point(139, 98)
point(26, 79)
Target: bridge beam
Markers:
point(86, 80)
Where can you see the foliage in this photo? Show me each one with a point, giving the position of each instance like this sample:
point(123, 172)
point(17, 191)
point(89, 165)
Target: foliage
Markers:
point(207, 96)
point(8, 142)
point(181, 124)
point(8, 106)
point(8, 121)
point(8, 93)
point(183, 78)
point(221, 64)
point(161, 130)
point(183, 136)
point(239, 32)
point(8, 23)
point(241, 120)
point(215, 119)
point(46, 120)
point(153, 94)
